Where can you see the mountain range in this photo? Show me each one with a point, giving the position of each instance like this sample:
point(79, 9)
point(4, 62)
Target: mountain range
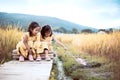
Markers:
point(22, 20)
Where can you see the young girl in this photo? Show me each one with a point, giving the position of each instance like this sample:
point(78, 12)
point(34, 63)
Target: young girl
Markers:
point(25, 47)
point(44, 44)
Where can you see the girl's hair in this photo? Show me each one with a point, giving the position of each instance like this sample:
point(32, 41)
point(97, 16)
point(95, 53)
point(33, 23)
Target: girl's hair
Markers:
point(32, 26)
point(46, 29)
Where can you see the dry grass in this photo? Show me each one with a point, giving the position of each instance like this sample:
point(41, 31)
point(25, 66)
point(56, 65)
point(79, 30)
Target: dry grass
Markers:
point(8, 40)
point(94, 44)
point(101, 45)
point(107, 45)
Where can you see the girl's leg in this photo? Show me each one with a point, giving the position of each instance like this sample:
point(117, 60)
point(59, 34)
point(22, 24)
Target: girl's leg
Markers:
point(30, 51)
point(46, 51)
point(38, 57)
point(39, 50)
point(22, 51)
point(30, 56)
point(22, 57)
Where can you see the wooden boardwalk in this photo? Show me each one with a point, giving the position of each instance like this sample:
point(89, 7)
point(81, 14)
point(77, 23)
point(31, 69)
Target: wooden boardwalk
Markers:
point(15, 70)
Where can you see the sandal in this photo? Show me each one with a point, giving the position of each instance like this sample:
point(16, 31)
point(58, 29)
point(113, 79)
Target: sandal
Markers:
point(30, 57)
point(21, 59)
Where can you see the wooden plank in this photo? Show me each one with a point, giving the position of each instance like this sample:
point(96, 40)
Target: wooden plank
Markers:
point(15, 56)
point(15, 70)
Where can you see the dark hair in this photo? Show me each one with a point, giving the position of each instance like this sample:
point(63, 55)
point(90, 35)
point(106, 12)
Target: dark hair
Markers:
point(45, 29)
point(32, 26)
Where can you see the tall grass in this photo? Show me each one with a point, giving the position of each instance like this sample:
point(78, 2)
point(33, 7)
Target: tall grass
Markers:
point(95, 44)
point(101, 45)
point(8, 40)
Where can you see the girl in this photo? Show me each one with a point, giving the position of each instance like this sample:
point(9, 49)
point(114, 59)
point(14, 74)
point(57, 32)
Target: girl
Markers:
point(25, 48)
point(44, 43)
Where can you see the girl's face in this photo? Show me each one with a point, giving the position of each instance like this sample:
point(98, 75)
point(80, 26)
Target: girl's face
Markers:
point(47, 34)
point(35, 30)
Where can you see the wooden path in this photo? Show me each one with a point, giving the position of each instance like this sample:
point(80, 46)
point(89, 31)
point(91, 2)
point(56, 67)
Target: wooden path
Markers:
point(15, 70)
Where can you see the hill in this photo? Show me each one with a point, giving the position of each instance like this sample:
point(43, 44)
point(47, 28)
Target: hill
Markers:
point(23, 20)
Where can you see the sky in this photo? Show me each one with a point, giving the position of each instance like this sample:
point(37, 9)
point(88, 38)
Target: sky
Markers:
point(93, 13)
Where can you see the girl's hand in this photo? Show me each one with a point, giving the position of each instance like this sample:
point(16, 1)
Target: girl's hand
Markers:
point(65, 48)
point(29, 49)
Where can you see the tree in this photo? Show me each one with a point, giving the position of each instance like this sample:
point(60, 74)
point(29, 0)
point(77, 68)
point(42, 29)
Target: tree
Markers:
point(61, 30)
point(110, 30)
point(103, 30)
point(74, 30)
point(86, 31)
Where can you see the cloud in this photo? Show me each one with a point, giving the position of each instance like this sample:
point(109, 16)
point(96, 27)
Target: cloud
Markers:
point(94, 13)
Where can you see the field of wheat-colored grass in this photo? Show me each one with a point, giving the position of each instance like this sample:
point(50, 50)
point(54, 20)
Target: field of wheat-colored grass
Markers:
point(100, 45)
point(8, 40)
point(94, 44)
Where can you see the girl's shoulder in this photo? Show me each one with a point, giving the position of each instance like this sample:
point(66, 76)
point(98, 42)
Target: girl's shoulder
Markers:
point(26, 33)
point(38, 34)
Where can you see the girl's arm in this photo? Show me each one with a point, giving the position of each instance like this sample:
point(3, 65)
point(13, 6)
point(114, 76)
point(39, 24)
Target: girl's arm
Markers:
point(57, 41)
point(25, 41)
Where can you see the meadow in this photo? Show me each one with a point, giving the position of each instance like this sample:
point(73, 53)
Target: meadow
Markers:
point(100, 48)
point(106, 45)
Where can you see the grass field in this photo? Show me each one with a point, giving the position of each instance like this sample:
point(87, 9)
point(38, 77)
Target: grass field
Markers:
point(103, 48)
point(94, 44)
point(8, 40)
